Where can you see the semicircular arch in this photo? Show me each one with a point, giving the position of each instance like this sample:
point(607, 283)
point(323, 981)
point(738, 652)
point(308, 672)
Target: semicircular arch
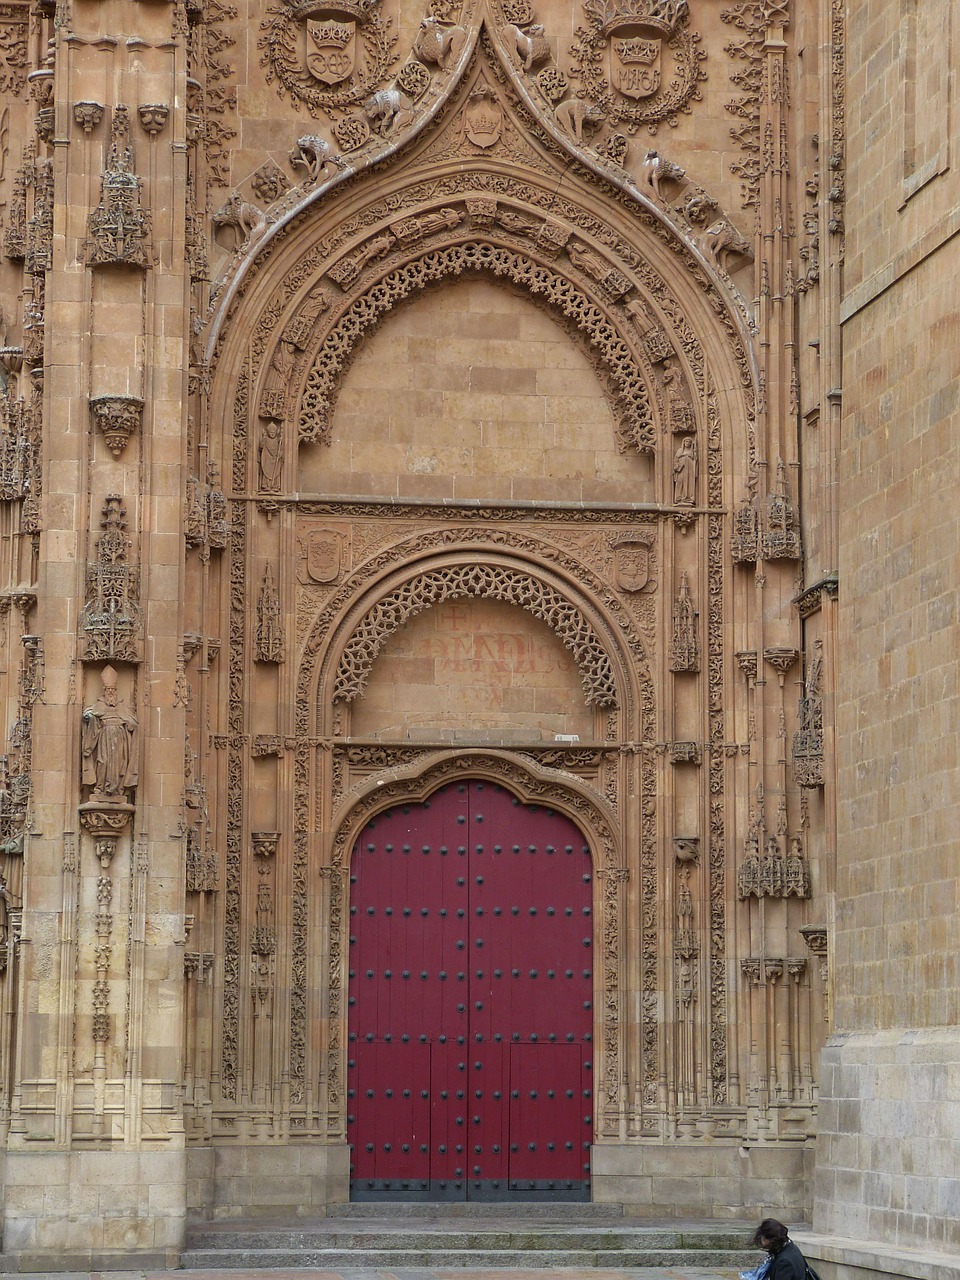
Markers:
point(588, 619)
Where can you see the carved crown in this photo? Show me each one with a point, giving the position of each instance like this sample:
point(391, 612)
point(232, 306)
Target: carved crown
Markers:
point(331, 32)
point(663, 16)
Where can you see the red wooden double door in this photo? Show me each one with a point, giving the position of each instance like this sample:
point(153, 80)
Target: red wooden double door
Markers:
point(471, 1001)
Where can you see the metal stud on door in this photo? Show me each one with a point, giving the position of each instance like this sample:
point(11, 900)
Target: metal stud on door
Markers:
point(471, 988)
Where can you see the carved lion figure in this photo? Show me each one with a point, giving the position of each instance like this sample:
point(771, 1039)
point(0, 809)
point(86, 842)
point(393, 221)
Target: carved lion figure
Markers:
point(531, 46)
point(655, 169)
point(391, 110)
point(439, 43)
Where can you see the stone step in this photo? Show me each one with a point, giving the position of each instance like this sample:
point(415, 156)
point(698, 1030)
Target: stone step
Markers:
point(539, 1211)
point(383, 1236)
point(473, 1259)
point(517, 1236)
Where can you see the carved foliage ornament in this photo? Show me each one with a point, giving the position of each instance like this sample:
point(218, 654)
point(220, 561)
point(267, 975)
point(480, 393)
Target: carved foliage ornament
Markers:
point(494, 582)
point(638, 61)
point(13, 47)
point(327, 56)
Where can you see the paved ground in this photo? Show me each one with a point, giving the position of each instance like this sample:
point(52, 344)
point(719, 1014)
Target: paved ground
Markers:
point(420, 1273)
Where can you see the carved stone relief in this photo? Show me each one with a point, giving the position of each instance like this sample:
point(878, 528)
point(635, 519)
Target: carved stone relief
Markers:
point(119, 226)
point(327, 56)
point(111, 619)
point(639, 61)
point(487, 581)
point(626, 380)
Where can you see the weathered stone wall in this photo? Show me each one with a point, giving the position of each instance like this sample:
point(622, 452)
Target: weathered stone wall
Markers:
point(889, 1127)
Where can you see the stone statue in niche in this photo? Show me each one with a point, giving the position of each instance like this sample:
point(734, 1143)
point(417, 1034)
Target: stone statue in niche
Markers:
point(685, 473)
point(270, 455)
point(108, 744)
point(680, 415)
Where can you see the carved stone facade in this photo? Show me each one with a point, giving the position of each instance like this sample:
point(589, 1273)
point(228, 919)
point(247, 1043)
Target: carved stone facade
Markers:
point(392, 395)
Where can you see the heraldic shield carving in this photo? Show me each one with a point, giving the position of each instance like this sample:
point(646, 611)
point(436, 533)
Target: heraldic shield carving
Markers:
point(331, 48)
point(638, 60)
point(329, 55)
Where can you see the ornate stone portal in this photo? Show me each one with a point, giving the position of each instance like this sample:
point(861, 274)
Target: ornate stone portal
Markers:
point(509, 490)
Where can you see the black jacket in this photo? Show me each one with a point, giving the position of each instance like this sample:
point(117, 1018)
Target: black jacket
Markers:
point(788, 1263)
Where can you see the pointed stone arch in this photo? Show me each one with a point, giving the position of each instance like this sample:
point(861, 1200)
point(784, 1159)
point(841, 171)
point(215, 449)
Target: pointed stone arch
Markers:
point(623, 278)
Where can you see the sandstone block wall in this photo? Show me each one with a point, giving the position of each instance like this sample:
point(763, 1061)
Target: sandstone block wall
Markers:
point(889, 1132)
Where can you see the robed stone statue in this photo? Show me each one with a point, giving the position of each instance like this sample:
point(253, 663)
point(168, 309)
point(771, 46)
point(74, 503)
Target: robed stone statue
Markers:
point(108, 744)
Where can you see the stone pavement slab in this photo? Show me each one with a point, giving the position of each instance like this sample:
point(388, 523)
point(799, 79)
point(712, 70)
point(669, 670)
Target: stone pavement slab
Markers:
point(361, 1273)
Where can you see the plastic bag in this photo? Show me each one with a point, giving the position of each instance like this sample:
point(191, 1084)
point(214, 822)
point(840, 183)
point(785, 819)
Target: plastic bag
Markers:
point(757, 1273)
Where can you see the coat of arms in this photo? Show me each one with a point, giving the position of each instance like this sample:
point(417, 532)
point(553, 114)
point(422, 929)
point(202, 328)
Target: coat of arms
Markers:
point(321, 555)
point(329, 55)
point(331, 48)
point(633, 563)
point(638, 61)
point(635, 66)
point(483, 118)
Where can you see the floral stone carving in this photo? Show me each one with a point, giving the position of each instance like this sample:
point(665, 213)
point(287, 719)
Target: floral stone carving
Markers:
point(117, 418)
point(486, 582)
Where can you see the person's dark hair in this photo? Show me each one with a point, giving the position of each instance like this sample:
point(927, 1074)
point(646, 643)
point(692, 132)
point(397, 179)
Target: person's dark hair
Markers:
point(769, 1229)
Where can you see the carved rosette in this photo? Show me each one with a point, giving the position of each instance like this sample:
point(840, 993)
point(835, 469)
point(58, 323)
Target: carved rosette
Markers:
point(117, 418)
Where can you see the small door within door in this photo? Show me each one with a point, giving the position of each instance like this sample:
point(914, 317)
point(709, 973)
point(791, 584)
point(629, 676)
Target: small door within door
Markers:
point(470, 1063)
